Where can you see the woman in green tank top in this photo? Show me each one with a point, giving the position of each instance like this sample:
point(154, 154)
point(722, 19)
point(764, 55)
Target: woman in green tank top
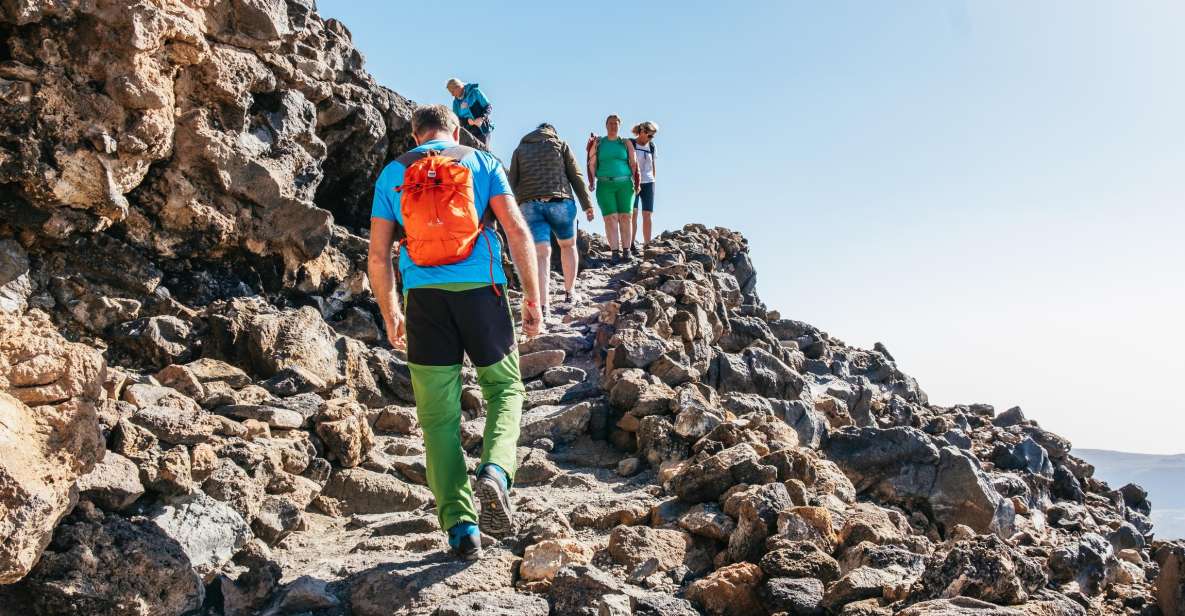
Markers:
point(613, 175)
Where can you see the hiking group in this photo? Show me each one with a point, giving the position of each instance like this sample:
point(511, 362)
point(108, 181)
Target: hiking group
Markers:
point(436, 207)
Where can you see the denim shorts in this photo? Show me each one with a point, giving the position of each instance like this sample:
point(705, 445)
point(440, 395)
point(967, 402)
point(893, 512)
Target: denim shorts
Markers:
point(546, 217)
point(645, 200)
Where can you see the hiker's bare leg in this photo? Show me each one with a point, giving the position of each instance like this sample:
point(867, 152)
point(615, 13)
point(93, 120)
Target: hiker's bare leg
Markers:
point(569, 262)
point(543, 258)
point(625, 225)
point(611, 232)
point(634, 232)
point(646, 227)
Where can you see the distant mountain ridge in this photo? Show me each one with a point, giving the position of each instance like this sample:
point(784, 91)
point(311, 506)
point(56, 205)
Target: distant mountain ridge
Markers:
point(1161, 475)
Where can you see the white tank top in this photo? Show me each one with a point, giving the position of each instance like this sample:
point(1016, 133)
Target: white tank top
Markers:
point(645, 156)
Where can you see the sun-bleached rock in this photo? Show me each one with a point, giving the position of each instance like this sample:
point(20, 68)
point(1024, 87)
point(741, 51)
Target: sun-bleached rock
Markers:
point(49, 433)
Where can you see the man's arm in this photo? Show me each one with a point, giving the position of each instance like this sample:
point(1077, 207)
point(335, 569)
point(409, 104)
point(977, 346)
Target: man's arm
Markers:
point(576, 179)
point(382, 278)
point(522, 253)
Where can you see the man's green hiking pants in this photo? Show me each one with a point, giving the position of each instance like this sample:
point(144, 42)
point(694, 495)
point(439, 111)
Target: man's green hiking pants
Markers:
point(444, 323)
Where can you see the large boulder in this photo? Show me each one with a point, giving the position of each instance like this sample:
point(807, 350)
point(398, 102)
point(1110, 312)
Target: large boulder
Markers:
point(295, 339)
point(729, 591)
point(757, 519)
point(346, 432)
point(707, 480)
point(635, 348)
point(559, 423)
point(534, 364)
point(49, 433)
point(176, 425)
point(112, 566)
point(904, 466)
point(635, 546)
point(1025, 456)
point(801, 560)
point(208, 531)
point(757, 371)
point(984, 568)
point(1088, 560)
point(366, 491)
point(810, 425)
point(802, 596)
point(156, 341)
point(114, 484)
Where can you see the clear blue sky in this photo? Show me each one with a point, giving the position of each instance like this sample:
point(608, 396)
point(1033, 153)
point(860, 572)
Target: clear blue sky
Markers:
point(994, 189)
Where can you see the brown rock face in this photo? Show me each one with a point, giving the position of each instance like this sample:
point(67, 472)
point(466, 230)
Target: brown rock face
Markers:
point(201, 127)
point(49, 434)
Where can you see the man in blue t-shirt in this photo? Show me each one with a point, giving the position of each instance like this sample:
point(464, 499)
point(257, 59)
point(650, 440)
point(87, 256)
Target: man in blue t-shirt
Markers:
point(454, 310)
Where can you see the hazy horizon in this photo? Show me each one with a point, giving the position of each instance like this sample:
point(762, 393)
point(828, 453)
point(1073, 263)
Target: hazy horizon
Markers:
point(994, 190)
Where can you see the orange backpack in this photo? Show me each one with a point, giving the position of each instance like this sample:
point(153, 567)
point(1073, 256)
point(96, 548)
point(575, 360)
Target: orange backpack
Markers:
point(436, 199)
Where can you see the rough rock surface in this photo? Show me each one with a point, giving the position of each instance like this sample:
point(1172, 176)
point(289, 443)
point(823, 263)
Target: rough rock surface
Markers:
point(109, 566)
point(183, 193)
point(209, 532)
point(49, 434)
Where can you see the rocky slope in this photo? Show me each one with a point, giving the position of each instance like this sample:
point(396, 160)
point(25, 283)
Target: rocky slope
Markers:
point(198, 414)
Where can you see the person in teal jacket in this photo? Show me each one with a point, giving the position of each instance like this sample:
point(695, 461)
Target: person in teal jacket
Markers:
point(473, 108)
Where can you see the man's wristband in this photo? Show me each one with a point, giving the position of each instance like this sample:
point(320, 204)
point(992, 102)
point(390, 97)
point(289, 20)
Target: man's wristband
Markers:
point(531, 303)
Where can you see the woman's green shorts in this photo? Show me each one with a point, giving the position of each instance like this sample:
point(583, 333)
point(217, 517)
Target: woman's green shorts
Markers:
point(615, 196)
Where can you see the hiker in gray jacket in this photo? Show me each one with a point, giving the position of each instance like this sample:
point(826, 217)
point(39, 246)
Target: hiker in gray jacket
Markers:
point(543, 173)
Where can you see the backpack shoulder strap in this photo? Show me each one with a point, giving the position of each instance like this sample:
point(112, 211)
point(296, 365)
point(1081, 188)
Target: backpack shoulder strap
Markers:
point(410, 157)
point(457, 152)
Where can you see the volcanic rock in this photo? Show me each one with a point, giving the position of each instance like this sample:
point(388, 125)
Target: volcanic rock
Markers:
point(49, 434)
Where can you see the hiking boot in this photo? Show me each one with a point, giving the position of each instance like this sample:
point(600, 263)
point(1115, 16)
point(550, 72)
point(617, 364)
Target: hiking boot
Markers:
point(635, 252)
point(493, 492)
point(464, 541)
point(615, 259)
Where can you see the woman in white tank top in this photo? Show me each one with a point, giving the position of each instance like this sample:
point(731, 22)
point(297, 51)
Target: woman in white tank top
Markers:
point(643, 144)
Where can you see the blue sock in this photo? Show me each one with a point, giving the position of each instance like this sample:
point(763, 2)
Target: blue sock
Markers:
point(459, 531)
point(498, 472)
